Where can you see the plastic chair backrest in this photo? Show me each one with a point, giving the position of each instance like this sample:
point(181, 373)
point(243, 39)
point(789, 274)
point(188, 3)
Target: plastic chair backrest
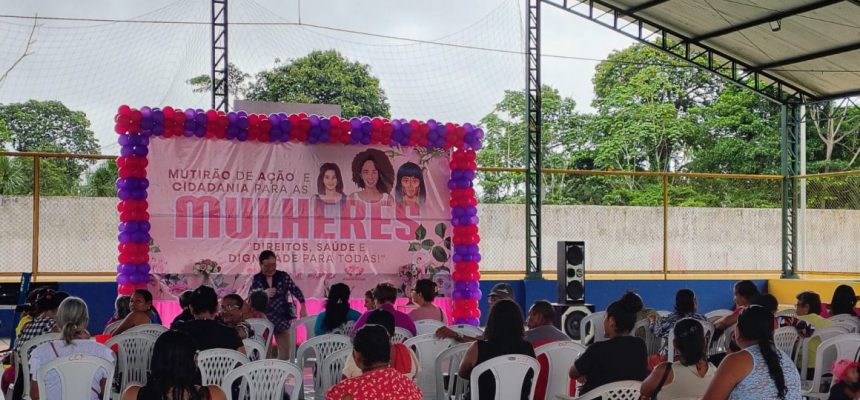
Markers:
point(559, 356)
point(786, 339)
point(153, 329)
point(425, 326)
point(652, 341)
point(850, 326)
point(23, 357)
point(215, 363)
point(717, 314)
point(111, 326)
point(134, 351)
point(308, 324)
point(400, 335)
point(468, 330)
point(509, 372)
point(789, 312)
point(621, 390)
point(254, 349)
point(721, 345)
point(263, 330)
point(321, 346)
point(76, 373)
point(591, 326)
point(822, 334)
point(447, 364)
point(265, 380)
point(344, 329)
point(427, 347)
point(845, 346)
point(331, 368)
point(706, 326)
point(842, 317)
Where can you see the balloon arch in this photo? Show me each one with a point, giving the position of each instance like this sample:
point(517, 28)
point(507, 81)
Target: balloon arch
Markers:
point(136, 126)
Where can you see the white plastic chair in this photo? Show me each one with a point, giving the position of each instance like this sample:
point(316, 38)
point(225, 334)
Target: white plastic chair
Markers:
point(308, 324)
point(844, 346)
point(721, 345)
point(76, 373)
point(446, 365)
point(789, 312)
point(263, 331)
point(786, 339)
point(823, 334)
point(706, 326)
point(254, 349)
point(111, 326)
point(401, 335)
point(344, 329)
point(717, 314)
point(559, 357)
point(427, 348)
point(621, 390)
point(265, 380)
point(23, 358)
point(153, 329)
point(509, 372)
point(320, 347)
point(331, 369)
point(591, 326)
point(134, 351)
point(468, 330)
point(652, 341)
point(426, 326)
point(849, 326)
point(842, 317)
point(215, 363)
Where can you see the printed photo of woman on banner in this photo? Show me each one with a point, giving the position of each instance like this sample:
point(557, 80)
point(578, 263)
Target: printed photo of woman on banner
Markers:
point(373, 173)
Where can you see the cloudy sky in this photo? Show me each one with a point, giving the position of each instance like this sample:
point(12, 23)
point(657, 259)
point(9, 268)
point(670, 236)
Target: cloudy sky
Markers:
point(443, 73)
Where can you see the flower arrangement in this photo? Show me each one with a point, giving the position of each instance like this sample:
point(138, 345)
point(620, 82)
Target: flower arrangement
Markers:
point(206, 266)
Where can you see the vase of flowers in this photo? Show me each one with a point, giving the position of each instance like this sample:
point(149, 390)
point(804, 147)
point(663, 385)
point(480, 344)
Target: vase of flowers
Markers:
point(206, 267)
point(408, 275)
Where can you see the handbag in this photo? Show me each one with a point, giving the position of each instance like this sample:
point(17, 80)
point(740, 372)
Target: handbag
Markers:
point(662, 381)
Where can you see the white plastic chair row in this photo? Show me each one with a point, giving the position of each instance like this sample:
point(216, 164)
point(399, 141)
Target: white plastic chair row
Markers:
point(214, 364)
point(76, 373)
point(652, 341)
point(822, 334)
point(331, 369)
point(401, 335)
point(717, 314)
point(254, 349)
point(621, 390)
point(134, 351)
point(509, 372)
point(152, 329)
point(263, 331)
point(592, 327)
point(427, 348)
point(22, 358)
point(559, 355)
point(426, 326)
point(316, 349)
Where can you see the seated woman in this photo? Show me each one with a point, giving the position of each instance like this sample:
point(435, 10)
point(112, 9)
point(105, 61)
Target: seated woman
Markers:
point(337, 312)
point(402, 358)
point(377, 380)
point(141, 312)
point(385, 295)
point(231, 315)
point(504, 335)
point(256, 305)
point(72, 319)
point(745, 293)
point(691, 375)
point(621, 358)
point(685, 307)
point(760, 370)
point(173, 372)
point(122, 307)
point(423, 295)
point(843, 302)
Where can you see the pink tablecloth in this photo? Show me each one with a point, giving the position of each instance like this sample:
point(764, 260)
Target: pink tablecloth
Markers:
point(168, 310)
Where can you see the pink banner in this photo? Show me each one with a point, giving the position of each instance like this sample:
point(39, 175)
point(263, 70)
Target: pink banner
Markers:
point(331, 213)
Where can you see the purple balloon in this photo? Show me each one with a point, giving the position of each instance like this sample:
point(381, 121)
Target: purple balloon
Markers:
point(456, 258)
point(143, 269)
point(458, 295)
point(141, 151)
point(144, 226)
point(127, 269)
point(126, 151)
point(124, 237)
point(138, 194)
point(314, 119)
point(476, 294)
point(190, 114)
point(140, 237)
point(232, 117)
point(472, 321)
point(122, 279)
point(139, 278)
point(460, 286)
point(123, 194)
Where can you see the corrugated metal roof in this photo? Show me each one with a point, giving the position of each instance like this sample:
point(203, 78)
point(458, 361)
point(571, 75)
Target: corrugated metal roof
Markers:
point(815, 48)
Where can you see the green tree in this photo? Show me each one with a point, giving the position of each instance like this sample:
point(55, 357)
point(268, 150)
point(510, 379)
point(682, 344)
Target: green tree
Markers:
point(236, 78)
point(102, 181)
point(13, 176)
point(563, 141)
point(323, 77)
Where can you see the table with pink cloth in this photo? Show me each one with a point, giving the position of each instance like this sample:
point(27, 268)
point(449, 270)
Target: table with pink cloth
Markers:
point(169, 309)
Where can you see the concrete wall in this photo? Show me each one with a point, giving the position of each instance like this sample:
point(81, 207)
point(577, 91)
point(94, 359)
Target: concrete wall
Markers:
point(78, 234)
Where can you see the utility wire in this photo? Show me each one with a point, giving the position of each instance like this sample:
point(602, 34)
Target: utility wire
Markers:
point(392, 37)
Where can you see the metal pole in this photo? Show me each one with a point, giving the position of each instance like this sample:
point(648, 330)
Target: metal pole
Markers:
point(665, 227)
point(220, 65)
point(790, 126)
point(801, 215)
point(533, 141)
point(37, 171)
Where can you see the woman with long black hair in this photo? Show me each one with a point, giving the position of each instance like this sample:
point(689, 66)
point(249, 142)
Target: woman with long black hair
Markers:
point(337, 311)
point(173, 372)
point(692, 374)
point(759, 370)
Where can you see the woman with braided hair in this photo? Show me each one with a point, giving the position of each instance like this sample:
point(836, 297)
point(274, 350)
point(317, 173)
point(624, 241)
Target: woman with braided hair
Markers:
point(759, 370)
point(72, 320)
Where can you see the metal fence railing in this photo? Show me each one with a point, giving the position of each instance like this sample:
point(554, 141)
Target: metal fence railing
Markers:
point(59, 219)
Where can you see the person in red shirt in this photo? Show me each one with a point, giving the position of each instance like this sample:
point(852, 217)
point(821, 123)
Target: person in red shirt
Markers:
point(378, 381)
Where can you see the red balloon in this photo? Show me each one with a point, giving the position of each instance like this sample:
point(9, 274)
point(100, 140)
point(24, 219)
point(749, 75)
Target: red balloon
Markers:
point(126, 216)
point(125, 290)
point(124, 258)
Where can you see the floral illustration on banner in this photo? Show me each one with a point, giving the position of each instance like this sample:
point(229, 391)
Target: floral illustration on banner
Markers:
point(429, 256)
point(206, 267)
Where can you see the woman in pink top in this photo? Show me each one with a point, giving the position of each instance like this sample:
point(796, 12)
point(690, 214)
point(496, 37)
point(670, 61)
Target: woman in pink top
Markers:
point(423, 295)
